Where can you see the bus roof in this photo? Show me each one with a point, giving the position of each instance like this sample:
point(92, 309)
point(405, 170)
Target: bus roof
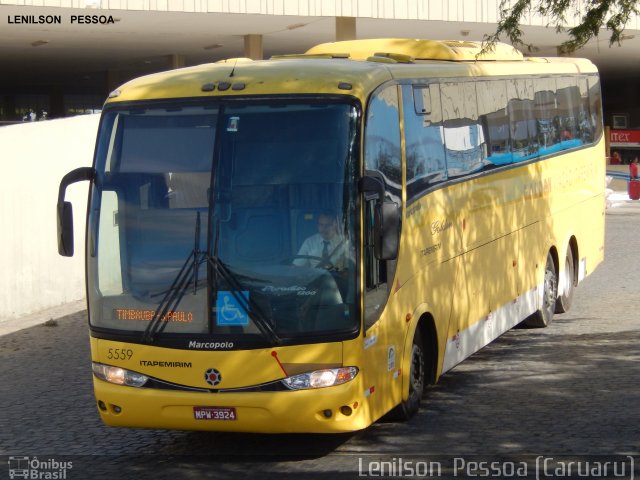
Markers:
point(354, 67)
point(408, 49)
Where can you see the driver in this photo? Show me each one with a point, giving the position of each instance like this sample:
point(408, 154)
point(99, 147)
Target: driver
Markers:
point(325, 249)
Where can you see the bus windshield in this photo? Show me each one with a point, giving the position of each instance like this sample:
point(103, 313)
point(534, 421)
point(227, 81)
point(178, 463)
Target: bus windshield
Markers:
point(225, 221)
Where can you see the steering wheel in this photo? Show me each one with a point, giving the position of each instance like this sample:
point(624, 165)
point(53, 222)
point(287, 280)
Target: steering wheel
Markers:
point(322, 263)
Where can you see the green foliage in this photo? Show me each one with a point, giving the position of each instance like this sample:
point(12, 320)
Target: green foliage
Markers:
point(613, 15)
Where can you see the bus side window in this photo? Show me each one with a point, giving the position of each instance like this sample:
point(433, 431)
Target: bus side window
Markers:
point(523, 127)
point(585, 127)
point(494, 118)
point(545, 107)
point(382, 156)
point(568, 113)
point(423, 133)
point(595, 106)
point(463, 134)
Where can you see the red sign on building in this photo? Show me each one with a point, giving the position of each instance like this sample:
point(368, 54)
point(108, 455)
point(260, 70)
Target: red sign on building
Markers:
point(624, 138)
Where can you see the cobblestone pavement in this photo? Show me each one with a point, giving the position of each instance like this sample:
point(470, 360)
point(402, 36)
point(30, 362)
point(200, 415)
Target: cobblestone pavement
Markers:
point(569, 390)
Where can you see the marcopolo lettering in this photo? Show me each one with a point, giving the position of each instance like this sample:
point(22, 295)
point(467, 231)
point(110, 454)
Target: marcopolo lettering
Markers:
point(210, 345)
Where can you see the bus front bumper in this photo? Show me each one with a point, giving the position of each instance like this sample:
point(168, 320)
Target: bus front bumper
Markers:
point(333, 409)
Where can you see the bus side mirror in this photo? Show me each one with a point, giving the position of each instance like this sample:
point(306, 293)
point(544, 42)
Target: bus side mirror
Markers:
point(65, 229)
point(386, 230)
point(386, 221)
point(65, 210)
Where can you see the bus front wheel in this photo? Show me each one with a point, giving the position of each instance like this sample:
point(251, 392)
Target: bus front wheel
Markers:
point(409, 407)
point(542, 318)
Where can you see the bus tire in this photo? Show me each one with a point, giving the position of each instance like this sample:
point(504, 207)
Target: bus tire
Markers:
point(563, 304)
point(409, 407)
point(543, 317)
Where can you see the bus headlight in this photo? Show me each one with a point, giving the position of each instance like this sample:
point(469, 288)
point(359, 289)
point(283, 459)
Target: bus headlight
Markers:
point(118, 375)
point(321, 378)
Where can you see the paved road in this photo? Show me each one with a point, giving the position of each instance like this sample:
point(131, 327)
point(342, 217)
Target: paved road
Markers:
point(569, 390)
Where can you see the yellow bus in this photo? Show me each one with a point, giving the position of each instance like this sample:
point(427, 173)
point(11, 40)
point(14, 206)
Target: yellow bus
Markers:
point(302, 244)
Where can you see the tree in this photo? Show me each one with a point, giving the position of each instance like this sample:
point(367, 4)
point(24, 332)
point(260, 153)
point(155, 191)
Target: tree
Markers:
point(596, 14)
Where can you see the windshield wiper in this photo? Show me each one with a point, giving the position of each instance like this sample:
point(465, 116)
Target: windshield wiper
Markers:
point(250, 307)
point(189, 273)
point(178, 288)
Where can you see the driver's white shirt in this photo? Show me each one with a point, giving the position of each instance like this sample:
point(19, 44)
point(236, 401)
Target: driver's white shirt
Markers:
point(314, 245)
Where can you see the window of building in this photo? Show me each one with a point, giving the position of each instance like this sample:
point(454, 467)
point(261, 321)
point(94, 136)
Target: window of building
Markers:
point(79, 104)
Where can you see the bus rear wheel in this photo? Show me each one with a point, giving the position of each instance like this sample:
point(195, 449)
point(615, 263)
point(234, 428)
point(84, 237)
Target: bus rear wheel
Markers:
point(563, 304)
point(409, 407)
point(543, 317)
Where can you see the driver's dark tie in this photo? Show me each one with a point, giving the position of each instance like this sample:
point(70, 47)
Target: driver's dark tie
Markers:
point(325, 250)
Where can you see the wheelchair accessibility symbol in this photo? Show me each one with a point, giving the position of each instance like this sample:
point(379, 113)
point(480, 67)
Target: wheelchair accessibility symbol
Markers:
point(229, 311)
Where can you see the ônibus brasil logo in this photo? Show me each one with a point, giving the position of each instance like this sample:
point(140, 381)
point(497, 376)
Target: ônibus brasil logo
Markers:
point(31, 467)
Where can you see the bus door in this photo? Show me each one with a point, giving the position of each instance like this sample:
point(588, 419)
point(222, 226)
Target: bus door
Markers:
point(383, 339)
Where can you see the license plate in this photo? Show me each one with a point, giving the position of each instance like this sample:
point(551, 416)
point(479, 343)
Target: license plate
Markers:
point(214, 413)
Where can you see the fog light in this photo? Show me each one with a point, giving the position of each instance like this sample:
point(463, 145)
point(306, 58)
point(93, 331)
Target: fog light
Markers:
point(346, 410)
point(327, 413)
point(102, 406)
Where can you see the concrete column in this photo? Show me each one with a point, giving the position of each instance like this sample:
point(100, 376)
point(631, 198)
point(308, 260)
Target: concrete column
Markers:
point(345, 28)
point(112, 79)
point(56, 103)
point(253, 47)
point(10, 108)
point(176, 61)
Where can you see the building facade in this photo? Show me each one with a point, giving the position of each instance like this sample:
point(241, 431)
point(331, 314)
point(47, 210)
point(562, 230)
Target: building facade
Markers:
point(62, 57)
